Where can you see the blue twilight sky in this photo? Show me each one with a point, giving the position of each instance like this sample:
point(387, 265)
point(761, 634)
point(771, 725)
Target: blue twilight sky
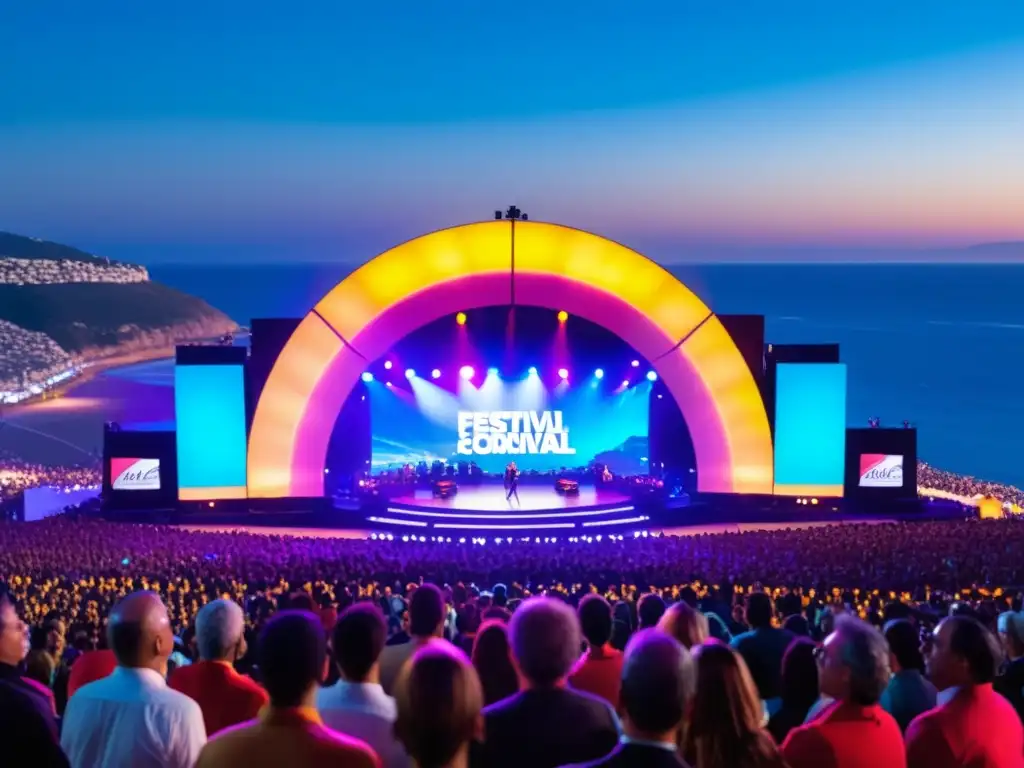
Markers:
point(689, 129)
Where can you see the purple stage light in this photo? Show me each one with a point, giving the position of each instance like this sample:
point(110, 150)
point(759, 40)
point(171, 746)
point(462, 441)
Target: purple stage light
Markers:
point(435, 374)
point(466, 372)
point(625, 382)
point(635, 363)
point(387, 365)
point(563, 374)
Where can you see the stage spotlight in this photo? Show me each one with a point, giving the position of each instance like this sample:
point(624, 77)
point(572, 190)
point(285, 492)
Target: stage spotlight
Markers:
point(563, 374)
point(367, 377)
point(461, 318)
point(409, 373)
point(387, 365)
point(635, 363)
point(563, 316)
point(652, 376)
point(532, 371)
point(599, 374)
point(388, 384)
point(492, 371)
point(435, 374)
point(625, 382)
point(466, 372)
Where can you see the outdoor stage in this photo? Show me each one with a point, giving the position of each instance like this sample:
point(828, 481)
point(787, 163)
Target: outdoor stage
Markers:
point(490, 499)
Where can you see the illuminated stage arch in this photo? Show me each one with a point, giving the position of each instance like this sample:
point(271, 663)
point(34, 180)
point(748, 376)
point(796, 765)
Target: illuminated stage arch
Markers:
point(470, 267)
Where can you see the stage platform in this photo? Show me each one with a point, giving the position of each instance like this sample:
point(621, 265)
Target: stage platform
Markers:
point(490, 499)
point(484, 507)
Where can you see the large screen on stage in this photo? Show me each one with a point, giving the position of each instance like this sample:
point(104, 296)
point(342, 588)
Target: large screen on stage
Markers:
point(880, 470)
point(134, 474)
point(540, 427)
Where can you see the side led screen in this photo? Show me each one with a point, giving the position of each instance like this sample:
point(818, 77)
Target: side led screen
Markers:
point(135, 474)
point(810, 429)
point(881, 470)
point(209, 403)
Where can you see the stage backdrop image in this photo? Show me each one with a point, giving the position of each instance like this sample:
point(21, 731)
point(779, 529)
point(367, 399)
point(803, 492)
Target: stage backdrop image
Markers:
point(539, 420)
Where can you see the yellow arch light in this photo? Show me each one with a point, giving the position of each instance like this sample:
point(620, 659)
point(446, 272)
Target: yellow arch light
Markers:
point(470, 267)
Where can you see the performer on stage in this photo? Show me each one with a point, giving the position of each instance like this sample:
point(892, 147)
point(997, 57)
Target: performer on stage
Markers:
point(512, 482)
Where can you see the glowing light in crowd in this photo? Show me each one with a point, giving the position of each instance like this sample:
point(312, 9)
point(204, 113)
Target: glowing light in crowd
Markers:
point(532, 371)
point(387, 365)
point(435, 374)
point(563, 374)
point(466, 372)
point(563, 316)
point(635, 363)
point(652, 376)
point(409, 373)
point(599, 373)
point(461, 318)
point(367, 377)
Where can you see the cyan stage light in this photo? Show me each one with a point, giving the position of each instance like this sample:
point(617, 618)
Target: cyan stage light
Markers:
point(532, 371)
point(492, 371)
point(367, 377)
point(409, 373)
point(599, 373)
point(652, 376)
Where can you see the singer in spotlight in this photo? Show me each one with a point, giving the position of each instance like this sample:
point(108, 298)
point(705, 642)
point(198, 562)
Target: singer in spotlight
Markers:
point(512, 482)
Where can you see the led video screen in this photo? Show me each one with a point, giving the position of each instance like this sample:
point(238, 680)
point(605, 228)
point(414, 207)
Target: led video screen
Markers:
point(134, 474)
point(209, 403)
point(880, 470)
point(810, 429)
point(542, 426)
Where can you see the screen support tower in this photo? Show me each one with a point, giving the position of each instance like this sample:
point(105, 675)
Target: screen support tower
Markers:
point(512, 214)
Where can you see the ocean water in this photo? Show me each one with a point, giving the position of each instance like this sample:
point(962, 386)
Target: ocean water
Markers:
point(939, 345)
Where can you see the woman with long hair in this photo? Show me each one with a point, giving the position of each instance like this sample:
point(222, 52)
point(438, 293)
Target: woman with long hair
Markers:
point(685, 624)
point(726, 728)
point(492, 658)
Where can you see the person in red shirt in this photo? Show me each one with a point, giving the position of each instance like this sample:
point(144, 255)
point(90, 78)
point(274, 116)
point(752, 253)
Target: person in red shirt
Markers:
point(90, 667)
point(225, 697)
point(599, 670)
point(854, 731)
point(973, 724)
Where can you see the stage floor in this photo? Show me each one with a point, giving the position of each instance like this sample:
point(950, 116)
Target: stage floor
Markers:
point(532, 498)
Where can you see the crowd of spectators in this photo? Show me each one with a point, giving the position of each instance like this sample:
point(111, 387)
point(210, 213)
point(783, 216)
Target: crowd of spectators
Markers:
point(125, 645)
point(17, 476)
point(965, 486)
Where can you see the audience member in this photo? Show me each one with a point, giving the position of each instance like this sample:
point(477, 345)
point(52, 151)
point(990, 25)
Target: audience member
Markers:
point(467, 624)
point(426, 622)
point(1010, 682)
point(972, 724)
point(658, 684)
point(28, 728)
point(599, 669)
point(908, 693)
point(854, 731)
point(356, 704)
point(292, 656)
point(762, 648)
point(725, 729)
point(799, 687)
point(131, 717)
point(492, 659)
point(649, 610)
point(439, 703)
point(547, 724)
point(90, 667)
point(687, 625)
point(226, 697)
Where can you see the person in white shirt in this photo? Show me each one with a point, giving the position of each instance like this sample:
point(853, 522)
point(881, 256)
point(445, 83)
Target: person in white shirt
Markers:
point(356, 705)
point(131, 719)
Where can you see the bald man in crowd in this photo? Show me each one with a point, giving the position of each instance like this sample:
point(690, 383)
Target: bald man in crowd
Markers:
point(132, 718)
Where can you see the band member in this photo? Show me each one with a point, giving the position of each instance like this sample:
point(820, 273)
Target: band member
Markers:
point(512, 482)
